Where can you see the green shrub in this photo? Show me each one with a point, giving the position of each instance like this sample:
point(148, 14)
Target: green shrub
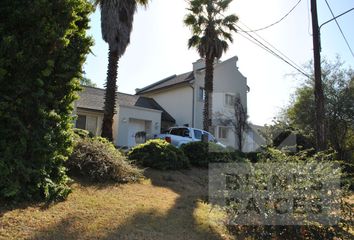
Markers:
point(82, 133)
point(159, 154)
point(308, 185)
point(43, 45)
point(252, 156)
point(97, 159)
point(200, 154)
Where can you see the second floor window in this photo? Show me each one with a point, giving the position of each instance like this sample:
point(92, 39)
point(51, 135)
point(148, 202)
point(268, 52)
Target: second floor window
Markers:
point(201, 94)
point(229, 100)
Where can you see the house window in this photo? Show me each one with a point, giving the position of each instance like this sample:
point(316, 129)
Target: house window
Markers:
point(91, 124)
point(223, 132)
point(201, 94)
point(229, 100)
point(88, 123)
point(81, 122)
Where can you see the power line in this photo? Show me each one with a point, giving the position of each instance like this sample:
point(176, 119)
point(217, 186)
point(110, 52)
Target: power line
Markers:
point(272, 52)
point(340, 29)
point(332, 19)
point(274, 48)
point(281, 19)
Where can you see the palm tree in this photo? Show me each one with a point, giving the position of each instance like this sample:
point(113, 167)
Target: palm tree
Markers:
point(116, 25)
point(211, 32)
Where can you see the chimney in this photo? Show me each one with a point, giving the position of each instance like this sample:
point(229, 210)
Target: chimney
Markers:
point(199, 64)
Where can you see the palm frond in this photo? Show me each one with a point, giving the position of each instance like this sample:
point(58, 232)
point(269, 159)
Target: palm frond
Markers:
point(226, 35)
point(117, 23)
point(231, 27)
point(230, 19)
point(194, 41)
point(190, 20)
point(224, 46)
point(202, 20)
point(224, 4)
point(211, 30)
point(196, 30)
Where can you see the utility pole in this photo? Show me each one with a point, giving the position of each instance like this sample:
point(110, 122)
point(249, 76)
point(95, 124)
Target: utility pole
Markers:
point(319, 98)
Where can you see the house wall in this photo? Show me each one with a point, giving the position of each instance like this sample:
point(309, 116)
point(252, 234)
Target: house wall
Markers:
point(177, 101)
point(227, 80)
point(151, 118)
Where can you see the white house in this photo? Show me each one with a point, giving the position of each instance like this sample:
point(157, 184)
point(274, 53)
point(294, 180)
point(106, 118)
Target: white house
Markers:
point(175, 100)
point(183, 96)
point(134, 114)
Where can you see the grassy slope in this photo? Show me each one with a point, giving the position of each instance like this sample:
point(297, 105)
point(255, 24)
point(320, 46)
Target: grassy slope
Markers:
point(166, 206)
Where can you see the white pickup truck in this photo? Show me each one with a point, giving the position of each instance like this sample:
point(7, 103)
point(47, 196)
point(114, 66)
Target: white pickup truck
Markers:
point(178, 136)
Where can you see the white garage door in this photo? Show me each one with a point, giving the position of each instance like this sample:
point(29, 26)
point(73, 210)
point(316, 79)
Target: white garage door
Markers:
point(135, 125)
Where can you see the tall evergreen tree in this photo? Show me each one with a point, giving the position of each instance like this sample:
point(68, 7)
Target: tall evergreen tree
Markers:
point(211, 33)
point(116, 25)
point(43, 45)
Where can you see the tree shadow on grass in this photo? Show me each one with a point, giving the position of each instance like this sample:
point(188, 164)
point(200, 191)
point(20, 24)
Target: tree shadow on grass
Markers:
point(62, 230)
point(180, 221)
point(8, 206)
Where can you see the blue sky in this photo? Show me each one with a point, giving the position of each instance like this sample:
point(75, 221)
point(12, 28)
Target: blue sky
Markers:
point(158, 48)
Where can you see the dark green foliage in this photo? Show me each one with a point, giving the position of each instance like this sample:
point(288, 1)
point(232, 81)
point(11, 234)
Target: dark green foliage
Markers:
point(159, 154)
point(197, 153)
point(43, 45)
point(83, 133)
point(200, 154)
point(252, 156)
point(96, 159)
point(338, 87)
point(302, 175)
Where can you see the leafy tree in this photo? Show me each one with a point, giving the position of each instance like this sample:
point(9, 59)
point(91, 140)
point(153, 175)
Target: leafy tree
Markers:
point(43, 45)
point(87, 82)
point(237, 118)
point(116, 25)
point(211, 32)
point(339, 111)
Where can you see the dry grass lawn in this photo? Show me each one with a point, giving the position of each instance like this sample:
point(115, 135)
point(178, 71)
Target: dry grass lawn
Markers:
point(168, 205)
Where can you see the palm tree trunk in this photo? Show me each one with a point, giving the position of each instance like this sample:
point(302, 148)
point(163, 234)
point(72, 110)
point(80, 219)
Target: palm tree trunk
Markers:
point(110, 95)
point(208, 86)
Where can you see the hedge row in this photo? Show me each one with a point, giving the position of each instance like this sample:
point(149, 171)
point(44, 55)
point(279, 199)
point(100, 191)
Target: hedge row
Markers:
point(159, 154)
